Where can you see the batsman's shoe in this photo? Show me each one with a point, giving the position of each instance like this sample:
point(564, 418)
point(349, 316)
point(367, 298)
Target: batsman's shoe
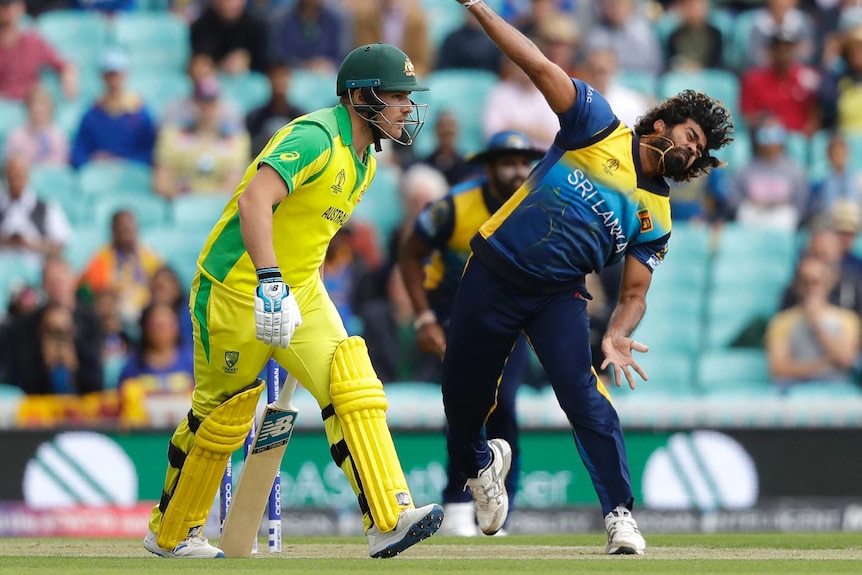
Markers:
point(460, 520)
point(413, 526)
point(489, 489)
point(194, 546)
point(624, 538)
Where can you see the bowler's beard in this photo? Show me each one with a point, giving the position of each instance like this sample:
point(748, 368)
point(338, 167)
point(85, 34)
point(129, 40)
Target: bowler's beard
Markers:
point(672, 159)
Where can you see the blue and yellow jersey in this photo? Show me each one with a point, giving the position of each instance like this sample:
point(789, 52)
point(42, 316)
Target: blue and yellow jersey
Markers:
point(585, 205)
point(447, 225)
point(325, 180)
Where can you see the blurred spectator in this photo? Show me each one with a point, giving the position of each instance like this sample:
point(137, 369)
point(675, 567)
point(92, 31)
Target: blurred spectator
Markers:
point(232, 36)
point(40, 139)
point(814, 341)
point(106, 304)
point(775, 16)
point(23, 299)
point(263, 122)
point(515, 103)
point(831, 241)
point(601, 71)
point(181, 112)
point(167, 288)
point(701, 199)
point(622, 29)
point(124, 264)
point(204, 156)
point(400, 23)
point(157, 365)
point(695, 43)
point(841, 91)
point(468, 47)
point(28, 226)
point(57, 348)
point(560, 39)
point(118, 126)
point(343, 271)
point(783, 87)
point(841, 183)
point(310, 35)
point(24, 54)
point(446, 158)
point(771, 191)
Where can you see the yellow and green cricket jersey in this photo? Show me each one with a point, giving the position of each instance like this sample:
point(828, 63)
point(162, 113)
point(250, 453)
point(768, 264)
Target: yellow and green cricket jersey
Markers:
point(325, 179)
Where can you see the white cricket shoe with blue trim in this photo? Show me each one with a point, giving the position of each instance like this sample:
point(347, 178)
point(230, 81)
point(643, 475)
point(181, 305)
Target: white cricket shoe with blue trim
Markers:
point(489, 488)
point(413, 526)
point(624, 537)
point(195, 546)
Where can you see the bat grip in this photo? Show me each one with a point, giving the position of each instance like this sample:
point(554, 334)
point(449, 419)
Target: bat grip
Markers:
point(286, 395)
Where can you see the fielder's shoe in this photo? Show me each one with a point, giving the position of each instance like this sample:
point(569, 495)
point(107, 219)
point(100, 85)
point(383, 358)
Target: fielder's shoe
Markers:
point(194, 546)
point(460, 520)
point(489, 489)
point(413, 526)
point(624, 538)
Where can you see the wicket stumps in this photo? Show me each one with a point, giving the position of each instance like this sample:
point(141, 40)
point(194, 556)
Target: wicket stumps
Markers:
point(226, 491)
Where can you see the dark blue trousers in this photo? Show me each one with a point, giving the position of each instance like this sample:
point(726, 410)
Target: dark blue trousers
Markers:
point(488, 315)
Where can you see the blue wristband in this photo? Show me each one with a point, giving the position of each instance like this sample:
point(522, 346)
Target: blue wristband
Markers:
point(268, 275)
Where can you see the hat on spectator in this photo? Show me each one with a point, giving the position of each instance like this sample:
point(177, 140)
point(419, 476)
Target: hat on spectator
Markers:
point(845, 216)
point(785, 35)
point(113, 61)
point(207, 89)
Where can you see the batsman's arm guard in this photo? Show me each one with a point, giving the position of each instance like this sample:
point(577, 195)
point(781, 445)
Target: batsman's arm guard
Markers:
point(216, 437)
point(360, 404)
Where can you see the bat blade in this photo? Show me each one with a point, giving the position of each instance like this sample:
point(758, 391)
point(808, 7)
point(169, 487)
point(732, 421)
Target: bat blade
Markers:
point(255, 481)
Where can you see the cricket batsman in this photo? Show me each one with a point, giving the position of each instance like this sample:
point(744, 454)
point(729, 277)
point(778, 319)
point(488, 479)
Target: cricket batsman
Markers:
point(259, 294)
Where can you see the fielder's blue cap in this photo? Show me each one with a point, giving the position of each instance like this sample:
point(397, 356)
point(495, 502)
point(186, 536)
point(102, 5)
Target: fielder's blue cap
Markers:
point(508, 142)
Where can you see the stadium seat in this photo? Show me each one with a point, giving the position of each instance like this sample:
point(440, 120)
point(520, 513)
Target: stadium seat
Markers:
point(79, 35)
point(644, 82)
point(743, 24)
point(442, 18)
point(462, 93)
point(312, 90)
point(150, 210)
point(818, 164)
point(823, 390)
point(670, 373)
point(247, 91)
point(116, 178)
point(159, 88)
point(673, 329)
point(154, 41)
point(678, 300)
point(60, 184)
point(741, 243)
point(12, 115)
point(381, 204)
point(719, 84)
point(196, 212)
point(84, 244)
point(735, 372)
point(18, 270)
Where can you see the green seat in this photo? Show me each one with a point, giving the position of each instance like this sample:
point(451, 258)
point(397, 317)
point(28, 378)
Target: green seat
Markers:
point(680, 270)
point(159, 88)
point(719, 84)
point(742, 243)
point(115, 178)
point(670, 373)
point(82, 248)
point(195, 212)
point(79, 35)
point(9, 391)
point(823, 390)
point(674, 329)
point(676, 300)
point(248, 91)
point(309, 90)
point(381, 204)
point(154, 41)
point(179, 247)
point(692, 240)
point(734, 372)
point(463, 94)
point(443, 18)
point(59, 184)
point(16, 270)
point(12, 115)
point(739, 152)
point(150, 210)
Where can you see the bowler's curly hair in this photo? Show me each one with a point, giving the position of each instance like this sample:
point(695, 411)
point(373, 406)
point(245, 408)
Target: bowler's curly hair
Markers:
point(708, 112)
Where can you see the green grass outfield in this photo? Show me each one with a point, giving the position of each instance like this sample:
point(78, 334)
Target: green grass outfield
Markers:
point(779, 554)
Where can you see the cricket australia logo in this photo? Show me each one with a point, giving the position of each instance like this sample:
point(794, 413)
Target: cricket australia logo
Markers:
point(408, 68)
point(230, 359)
point(275, 430)
point(338, 186)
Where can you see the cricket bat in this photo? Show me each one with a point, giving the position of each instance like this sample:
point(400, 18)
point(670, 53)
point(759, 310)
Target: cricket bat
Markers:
point(250, 497)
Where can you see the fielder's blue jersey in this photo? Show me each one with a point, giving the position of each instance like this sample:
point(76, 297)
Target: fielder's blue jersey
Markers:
point(447, 225)
point(585, 205)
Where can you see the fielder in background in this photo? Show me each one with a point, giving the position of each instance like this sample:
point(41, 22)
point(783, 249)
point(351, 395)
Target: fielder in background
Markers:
point(598, 196)
point(259, 293)
point(432, 259)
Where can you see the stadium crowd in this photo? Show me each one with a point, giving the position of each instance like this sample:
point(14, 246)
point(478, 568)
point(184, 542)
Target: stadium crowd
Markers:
point(126, 124)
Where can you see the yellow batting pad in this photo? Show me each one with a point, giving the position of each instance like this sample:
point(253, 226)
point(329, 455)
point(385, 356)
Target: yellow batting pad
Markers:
point(219, 435)
point(359, 402)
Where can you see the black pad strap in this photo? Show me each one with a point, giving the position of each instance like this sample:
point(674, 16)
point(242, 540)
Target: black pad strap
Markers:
point(194, 422)
point(339, 452)
point(363, 504)
point(163, 502)
point(176, 456)
point(327, 412)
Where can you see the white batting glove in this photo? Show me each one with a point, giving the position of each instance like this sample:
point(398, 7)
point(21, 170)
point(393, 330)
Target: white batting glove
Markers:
point(276, 313)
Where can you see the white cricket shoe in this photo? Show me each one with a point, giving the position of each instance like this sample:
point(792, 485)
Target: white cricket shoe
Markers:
point(489, 489)
point(624, 538)
point(194, 546)
point(460, 520)
point(413, 526)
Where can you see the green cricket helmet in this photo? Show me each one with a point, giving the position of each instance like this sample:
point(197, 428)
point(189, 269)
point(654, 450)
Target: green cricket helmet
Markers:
point(375, 68)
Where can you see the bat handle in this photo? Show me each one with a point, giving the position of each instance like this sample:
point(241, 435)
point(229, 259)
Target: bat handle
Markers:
point(286, 396)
